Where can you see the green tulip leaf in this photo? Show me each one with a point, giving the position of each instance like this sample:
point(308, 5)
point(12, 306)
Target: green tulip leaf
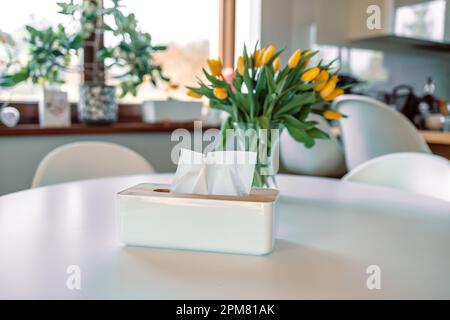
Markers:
point(301, 136)
point(316, 133)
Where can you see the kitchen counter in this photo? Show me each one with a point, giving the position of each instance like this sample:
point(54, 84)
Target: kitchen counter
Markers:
point(436, 137)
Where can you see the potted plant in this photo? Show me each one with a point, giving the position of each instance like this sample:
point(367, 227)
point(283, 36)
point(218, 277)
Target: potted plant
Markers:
point(262, 98)
point(132, 54)
point(51, 50)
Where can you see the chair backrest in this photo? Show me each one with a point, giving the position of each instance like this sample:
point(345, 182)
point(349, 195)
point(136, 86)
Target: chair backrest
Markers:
point(325, 159)
point(374, 129)
point(88, 160)
point(416, 172)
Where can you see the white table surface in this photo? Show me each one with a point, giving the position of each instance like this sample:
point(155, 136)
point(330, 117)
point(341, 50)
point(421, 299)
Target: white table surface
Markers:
point(330, 232)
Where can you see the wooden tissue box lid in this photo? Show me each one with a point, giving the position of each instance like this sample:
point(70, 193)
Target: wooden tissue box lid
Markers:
point(163, 191)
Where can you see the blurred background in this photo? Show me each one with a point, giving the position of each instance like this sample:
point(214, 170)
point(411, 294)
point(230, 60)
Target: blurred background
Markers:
point(401, 60)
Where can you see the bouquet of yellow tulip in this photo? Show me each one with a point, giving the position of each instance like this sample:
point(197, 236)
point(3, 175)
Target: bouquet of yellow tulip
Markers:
point(262, 93)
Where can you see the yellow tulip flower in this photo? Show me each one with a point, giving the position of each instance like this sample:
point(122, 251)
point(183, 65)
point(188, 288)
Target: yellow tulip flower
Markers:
point(276, 64)
point(294, 59)
point(216, 67)
point(268, 54)
point(259, 57)
point(311, 74)
point(193, 94)
point(241, 65)
point(332, 115)
point(306, 54)
point(322, 78)
point(220, 93)
point(172, 86)
point(328, 89)
point(42, 82)
point(336, 93)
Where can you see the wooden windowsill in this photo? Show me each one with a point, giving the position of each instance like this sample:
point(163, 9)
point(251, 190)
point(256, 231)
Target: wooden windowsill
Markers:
point(431, 137)
point(82, 129)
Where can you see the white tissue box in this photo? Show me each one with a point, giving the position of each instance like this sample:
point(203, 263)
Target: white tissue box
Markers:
point(150, 215)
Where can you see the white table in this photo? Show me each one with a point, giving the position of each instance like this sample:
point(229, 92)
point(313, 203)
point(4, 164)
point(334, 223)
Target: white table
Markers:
point(330, 232)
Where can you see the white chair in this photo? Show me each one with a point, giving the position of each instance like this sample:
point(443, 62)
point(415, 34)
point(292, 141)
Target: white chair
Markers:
point(416, 172)
point(373, 129)
point(88, 160)
point(325, 159)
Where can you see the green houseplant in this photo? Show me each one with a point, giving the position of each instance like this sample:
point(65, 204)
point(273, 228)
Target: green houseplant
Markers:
point(52, 49)
point(50, 53)
point(262, 98)
point(132, 54)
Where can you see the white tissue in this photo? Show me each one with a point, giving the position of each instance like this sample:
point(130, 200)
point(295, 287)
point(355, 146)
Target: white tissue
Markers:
point(217, 173)
point(190, 176)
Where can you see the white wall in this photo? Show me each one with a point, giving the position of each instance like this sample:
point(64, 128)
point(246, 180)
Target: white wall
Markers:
point(414, 69)
point(276, 24)
point(20, 156)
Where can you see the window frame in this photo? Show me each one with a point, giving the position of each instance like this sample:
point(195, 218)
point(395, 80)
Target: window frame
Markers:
point(227, 32)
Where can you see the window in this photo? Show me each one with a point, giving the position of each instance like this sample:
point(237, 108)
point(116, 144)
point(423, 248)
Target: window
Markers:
point(190, 29)
point(367, 65)
point(423, 20)
point(13, 18)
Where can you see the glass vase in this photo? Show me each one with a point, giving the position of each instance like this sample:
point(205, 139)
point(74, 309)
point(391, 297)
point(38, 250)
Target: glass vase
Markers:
point(250, 136)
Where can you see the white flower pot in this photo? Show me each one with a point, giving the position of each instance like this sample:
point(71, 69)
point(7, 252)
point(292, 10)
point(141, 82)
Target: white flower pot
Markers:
point(171, 110)
point(148, 112)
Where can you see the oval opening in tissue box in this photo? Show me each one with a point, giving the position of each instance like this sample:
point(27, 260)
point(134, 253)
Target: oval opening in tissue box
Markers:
point(162, 190)
point(151, 215)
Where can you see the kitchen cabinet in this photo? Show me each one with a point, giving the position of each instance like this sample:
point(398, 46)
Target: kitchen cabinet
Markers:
point(345, 23)
point(359, 16)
